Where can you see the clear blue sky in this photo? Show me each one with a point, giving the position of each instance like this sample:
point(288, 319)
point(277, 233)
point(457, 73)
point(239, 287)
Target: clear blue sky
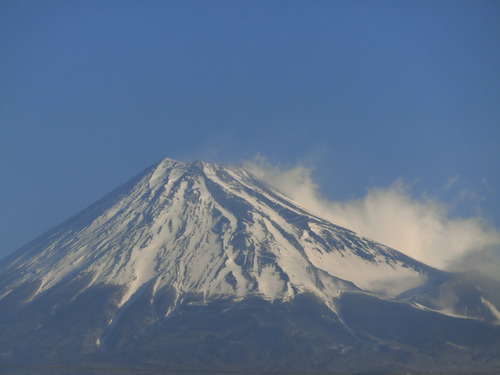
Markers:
point(93, 92)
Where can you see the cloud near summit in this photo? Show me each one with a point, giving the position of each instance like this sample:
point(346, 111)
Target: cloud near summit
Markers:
point(422, 229)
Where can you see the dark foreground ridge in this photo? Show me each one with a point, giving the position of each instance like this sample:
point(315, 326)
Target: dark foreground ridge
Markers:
point(108, 370)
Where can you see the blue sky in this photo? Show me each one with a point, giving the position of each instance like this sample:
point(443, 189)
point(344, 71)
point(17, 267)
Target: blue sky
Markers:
point(364, 92)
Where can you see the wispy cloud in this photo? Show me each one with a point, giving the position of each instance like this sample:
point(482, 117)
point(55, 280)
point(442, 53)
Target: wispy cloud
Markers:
point(451, 181)
point(420, 228)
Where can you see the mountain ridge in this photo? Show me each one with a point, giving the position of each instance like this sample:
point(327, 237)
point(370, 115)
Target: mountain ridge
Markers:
point(165, 187)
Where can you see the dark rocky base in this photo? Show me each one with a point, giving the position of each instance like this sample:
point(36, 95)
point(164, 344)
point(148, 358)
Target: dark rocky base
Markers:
point(367, 336)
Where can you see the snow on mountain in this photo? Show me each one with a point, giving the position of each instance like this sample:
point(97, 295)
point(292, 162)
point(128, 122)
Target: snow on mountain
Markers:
point(209, 229)
point(198, 266)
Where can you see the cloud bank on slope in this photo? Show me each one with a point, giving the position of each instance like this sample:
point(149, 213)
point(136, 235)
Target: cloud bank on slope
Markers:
point(422, 229)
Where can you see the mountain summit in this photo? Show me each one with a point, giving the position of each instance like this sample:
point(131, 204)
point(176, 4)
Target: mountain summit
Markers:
point(214, 230)
point(192, 242)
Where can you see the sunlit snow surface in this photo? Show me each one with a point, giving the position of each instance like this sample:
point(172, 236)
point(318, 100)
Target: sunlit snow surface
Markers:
point(215, 230)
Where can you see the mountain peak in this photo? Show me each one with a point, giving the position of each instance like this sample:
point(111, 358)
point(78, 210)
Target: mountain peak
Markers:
point(193, 265)
point(214, 230)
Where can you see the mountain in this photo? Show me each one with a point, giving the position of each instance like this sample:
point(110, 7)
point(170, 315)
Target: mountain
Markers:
point(198, 266)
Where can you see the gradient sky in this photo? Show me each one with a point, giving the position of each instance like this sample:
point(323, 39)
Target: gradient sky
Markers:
point(366, 92)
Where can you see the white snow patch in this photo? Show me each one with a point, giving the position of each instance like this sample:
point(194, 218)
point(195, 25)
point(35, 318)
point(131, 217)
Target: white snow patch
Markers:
point(270, 282)
point(492, 308)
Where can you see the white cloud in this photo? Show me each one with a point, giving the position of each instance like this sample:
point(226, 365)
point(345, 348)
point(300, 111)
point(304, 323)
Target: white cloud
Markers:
point(420, 228)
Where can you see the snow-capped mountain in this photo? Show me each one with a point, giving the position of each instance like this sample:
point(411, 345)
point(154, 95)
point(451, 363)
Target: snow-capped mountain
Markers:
point(214, 230)
point(181, 235)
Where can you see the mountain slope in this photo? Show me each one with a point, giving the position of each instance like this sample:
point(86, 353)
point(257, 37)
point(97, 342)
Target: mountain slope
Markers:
point(214, 230)
point(197, 264)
